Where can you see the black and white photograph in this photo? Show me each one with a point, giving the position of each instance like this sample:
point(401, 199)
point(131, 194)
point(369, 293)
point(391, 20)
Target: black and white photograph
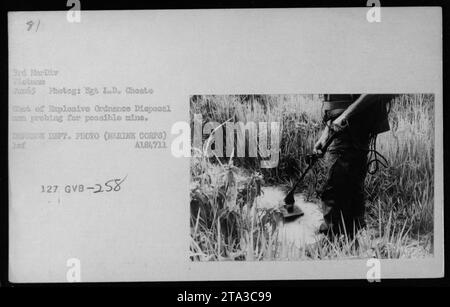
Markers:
point(339, 176)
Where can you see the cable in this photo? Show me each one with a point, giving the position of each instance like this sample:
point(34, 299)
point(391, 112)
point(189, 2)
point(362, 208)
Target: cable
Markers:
point(373, 158)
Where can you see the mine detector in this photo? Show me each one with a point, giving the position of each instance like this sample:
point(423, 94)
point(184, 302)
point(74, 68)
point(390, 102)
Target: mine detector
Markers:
point(289, 211)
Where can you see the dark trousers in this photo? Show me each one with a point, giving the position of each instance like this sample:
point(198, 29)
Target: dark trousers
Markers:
point(342, 195)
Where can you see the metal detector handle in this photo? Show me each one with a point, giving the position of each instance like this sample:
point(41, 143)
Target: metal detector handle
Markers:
point(310, 160)
point(333, 134)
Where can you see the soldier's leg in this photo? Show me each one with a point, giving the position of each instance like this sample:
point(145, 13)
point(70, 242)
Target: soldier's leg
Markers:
point(359, 171)
point(334, 195)
point(343, 192)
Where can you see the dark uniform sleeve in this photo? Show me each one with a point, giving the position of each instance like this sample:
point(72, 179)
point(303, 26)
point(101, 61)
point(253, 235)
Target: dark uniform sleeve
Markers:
point(377, 114)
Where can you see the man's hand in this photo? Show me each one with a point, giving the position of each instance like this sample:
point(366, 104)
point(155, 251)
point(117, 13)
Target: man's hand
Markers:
point(321, 142)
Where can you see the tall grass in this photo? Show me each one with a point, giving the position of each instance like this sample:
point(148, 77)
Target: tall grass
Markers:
point(226, 224)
